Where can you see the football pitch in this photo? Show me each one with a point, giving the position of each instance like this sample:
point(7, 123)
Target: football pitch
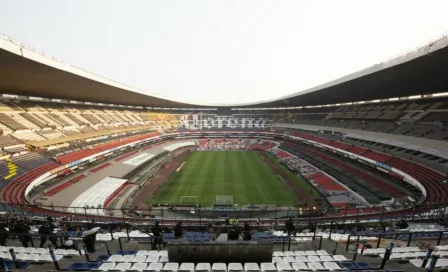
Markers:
point(240, 174)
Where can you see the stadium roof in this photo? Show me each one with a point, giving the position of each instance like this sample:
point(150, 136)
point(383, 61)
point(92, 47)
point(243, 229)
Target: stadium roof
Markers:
point(24, 71)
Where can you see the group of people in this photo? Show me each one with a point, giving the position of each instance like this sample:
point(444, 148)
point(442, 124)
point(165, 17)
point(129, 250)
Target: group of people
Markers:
point(50, 230)
point(16, 226)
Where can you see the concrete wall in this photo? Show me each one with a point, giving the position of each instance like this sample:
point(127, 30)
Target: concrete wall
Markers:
point(210, 252)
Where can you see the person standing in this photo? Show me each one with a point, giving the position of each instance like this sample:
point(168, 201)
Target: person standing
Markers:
point(24, 232)
point(47, 233)
point(178, 230)
point(157, 232)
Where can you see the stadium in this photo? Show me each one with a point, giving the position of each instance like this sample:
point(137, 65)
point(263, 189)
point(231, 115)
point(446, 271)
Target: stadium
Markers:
point(346, 154)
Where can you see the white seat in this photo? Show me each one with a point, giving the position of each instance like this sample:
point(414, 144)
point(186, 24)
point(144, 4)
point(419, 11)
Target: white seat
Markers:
point(45, 258)
point(251, 267)
point(39, 250)
point(141, 253)
point(20, 256)
point(60, 251)
point(310, 253)
point(290, 254)
point(123, 266)
point(72, 252)
point(301, 259)
point(7, 255)
point(152, 259)
point(19, 249)
point(442, 253)
point(114, 259)
point(339, 258)
point(313, 259)
point(235, 267)
point(322, 252)
point(28, 250)
point(163, 253)
point(127, 258)
point(163, 259)
point(300, 253)
point(326, 258)
point(187, 267)
point(277, 260)
point(396, 256)
point(332, 266)
point(416, 262)
point(106, 267)
point(289, 259)
point(32, 257)
point(203, 267)
point(154, 267)
point(138, 259)
point(420, 254)
point(138, 266)
point(153, 253)
point(219, 267)
point(317, 267)
point(371, 252)
point(409, 255)
point(278, 254)
point(268, 267)
point(300, 267)
point(284, 267)
point(171, 267)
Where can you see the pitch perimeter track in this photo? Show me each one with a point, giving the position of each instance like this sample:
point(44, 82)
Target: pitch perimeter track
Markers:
point(150, 188)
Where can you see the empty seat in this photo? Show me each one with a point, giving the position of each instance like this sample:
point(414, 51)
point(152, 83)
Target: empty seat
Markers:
point(235, 267)
point(279, 254)
point(203, 267)
point(326, 258)
point(171, 267)
point(186, 267)
point(289, 259)
point(284, 267)
point(152, 259)
point(139, 267)
point(268, 267)
point(138, 259)
point(114, 259)
point(142, 253)
point(154, 267)
point(106, 267)
point(313, 259)
point(332, 266)
point(251, 267)
point(317, 267)
point(219, 267)
point(123, 266)
point(300, 267)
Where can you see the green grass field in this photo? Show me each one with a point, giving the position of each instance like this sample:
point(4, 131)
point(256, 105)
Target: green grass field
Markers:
point(241, 174)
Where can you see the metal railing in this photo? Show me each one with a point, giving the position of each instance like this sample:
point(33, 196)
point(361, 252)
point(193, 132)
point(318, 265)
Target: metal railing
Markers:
point(259, 215)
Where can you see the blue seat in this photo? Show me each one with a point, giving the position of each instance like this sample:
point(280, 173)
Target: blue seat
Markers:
point(363, 265)
point(102, 258)
point(90, 266)
point(126, 252)
point(349, 265)
point(78, 266)
point(11, 265)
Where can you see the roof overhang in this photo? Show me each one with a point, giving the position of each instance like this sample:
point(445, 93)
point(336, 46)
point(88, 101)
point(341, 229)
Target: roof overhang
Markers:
point(24, 71)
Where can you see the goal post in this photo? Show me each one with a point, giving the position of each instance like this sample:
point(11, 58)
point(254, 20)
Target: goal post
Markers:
point(224, 200)
point(189, 200)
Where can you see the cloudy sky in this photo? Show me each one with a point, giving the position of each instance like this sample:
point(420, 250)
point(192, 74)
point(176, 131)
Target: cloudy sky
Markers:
point(223, 51)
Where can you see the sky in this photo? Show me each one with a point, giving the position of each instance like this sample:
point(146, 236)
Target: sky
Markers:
point(223, 52)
